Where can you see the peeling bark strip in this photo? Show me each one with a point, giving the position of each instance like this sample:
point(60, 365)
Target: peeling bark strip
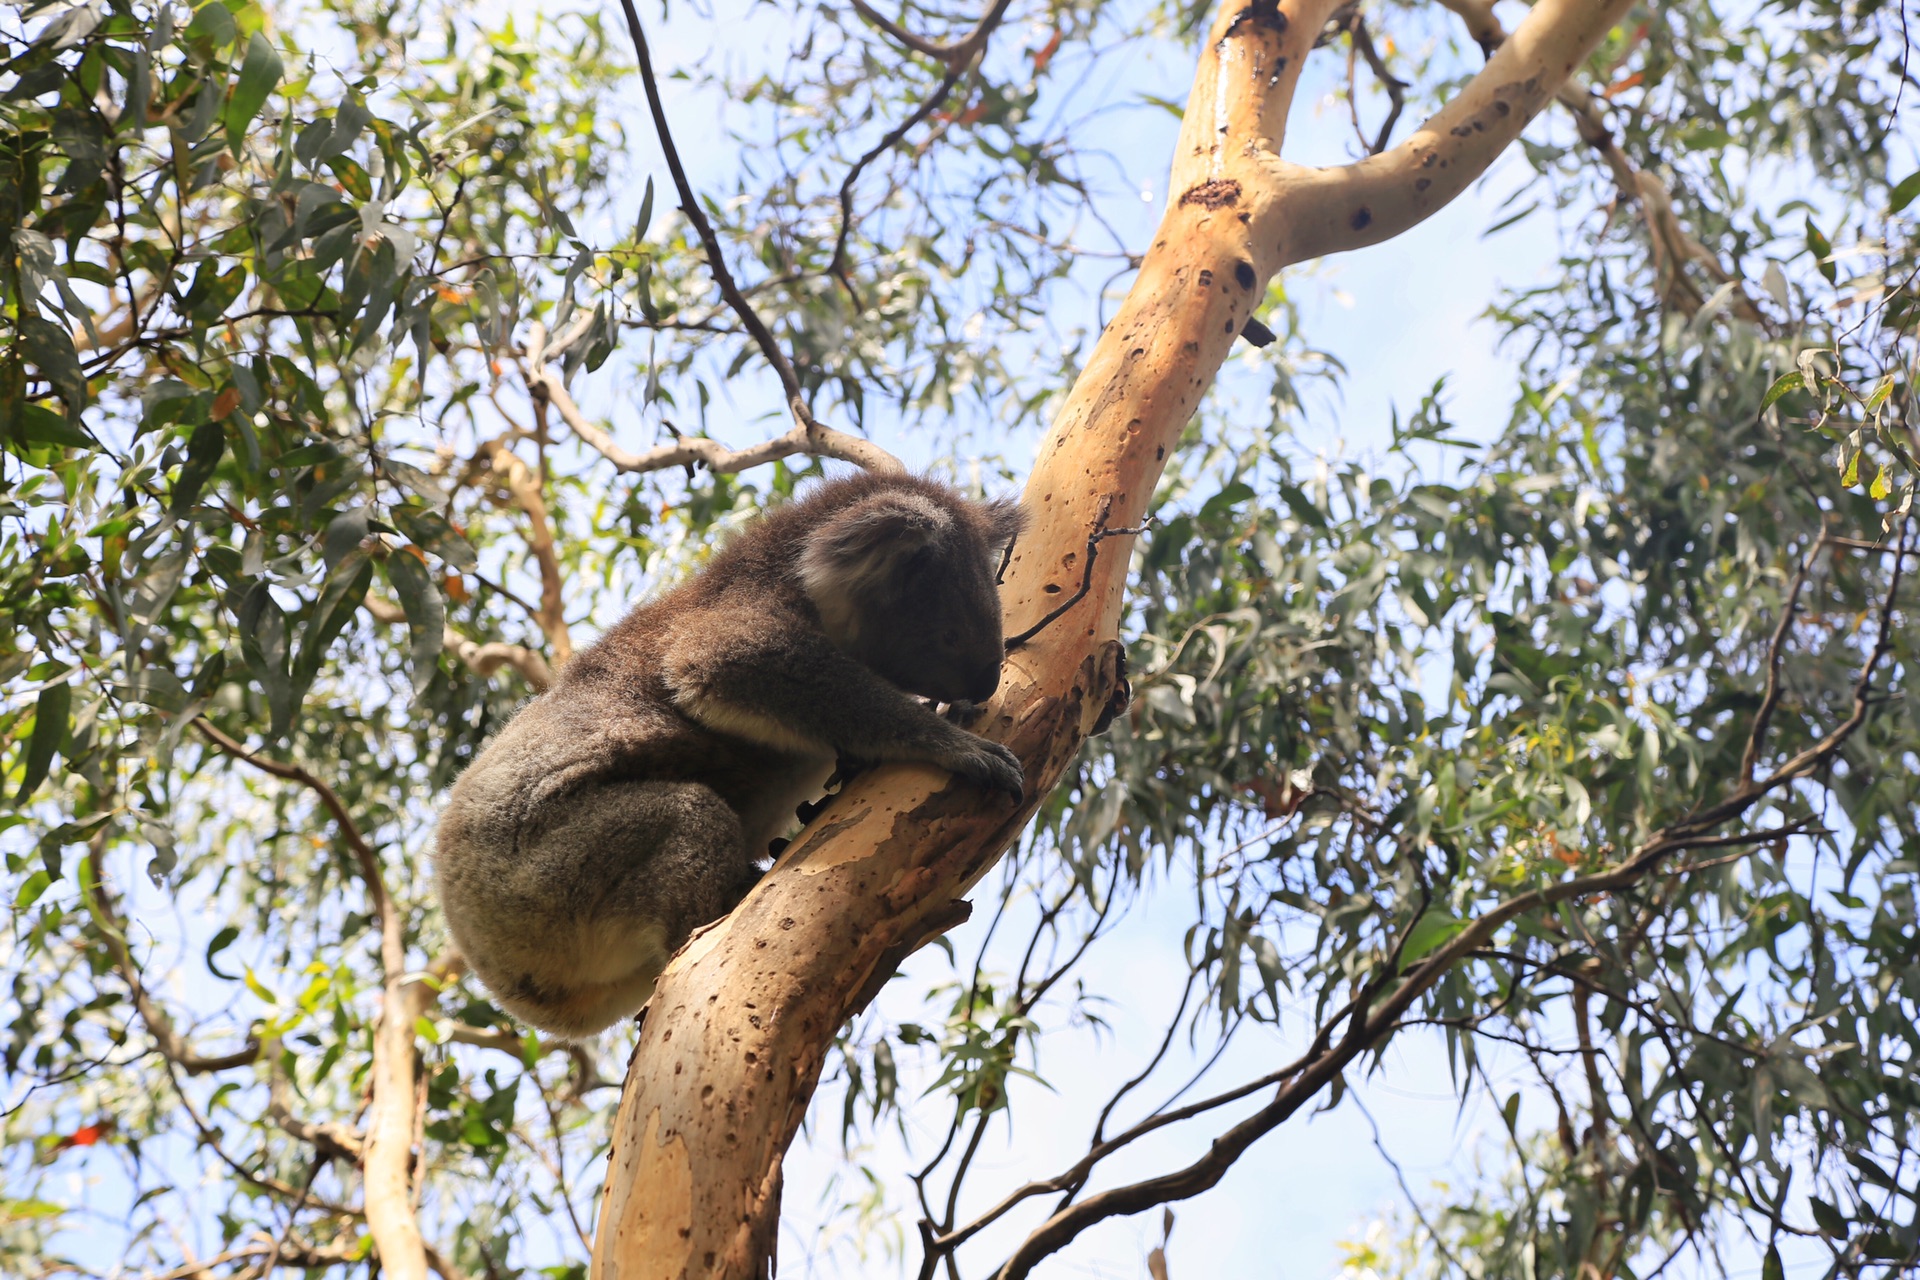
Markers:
point(738, 1029)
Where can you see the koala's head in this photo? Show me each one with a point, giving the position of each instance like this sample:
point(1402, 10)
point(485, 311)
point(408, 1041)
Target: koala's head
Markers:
point(903, 578)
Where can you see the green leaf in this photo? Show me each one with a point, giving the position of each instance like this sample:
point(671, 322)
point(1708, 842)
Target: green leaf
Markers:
point(430, 530)
point(426, 612)
point(1433, 931)
point(1903, 192)
point(1822, 250)
point(30, 890)
point(204, 451)
point(1879, 396)
point(221, 941)
point(263, 643)
point(1850, 473)
point(646, 214)
point(259, 74)
point(51, 721)
point(50, 349)
point(1783, 384)
point(1882, 484)
point(1771, 1268)
point(1828, 1218)
point(38, 424)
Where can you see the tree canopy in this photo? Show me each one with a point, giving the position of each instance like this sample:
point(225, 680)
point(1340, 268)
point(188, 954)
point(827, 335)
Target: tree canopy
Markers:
point(360, 363)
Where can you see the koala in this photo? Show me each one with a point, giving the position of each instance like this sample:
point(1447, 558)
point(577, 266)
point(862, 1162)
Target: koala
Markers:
point(635, 799)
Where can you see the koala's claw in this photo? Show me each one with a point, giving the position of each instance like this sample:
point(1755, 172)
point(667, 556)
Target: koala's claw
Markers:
point(992, 765)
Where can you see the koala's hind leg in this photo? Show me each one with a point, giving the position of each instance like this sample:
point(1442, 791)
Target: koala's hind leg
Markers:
point(611, 880)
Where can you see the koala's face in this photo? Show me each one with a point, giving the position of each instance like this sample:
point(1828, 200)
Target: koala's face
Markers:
point(904, 582)
point(936, 631)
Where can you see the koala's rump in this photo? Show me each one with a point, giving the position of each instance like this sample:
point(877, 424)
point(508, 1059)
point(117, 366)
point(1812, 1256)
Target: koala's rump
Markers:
point(579, 843)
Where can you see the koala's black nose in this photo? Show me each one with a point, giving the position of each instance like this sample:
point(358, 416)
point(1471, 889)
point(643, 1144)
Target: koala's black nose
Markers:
point(982, 683)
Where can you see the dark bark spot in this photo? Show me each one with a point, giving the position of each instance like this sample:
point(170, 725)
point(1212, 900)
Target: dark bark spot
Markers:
point(1261, 13)
point(1361, 218)
point(1243, 272)
point(1159, 452)
point(1504, 107)
point(1217, 194)
point(1423, 184)
point(1228, 327)
point(1427, 162)
point(1206, 279)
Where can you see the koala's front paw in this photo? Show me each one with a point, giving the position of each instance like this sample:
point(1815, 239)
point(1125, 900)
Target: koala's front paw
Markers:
point(990, 765)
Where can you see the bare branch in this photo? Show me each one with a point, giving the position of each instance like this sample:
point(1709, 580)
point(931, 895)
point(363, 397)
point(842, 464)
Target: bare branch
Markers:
point(1368, 1026)
point(809, 428)
point(810, 437)
point(958, 57)
point(483, 659)
point(957, 53)
point(1321, 211)
point(363, 854)
point(1762, 718)
point(387, 1152)
point(166, 1039)
point(1395, 87)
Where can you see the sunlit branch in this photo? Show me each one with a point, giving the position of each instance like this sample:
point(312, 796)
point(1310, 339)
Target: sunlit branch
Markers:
point(809, 437)
point(166, 1039)
point(484, 659)
point(387, 1151)
point(817, 438)
point(525, 487)
point(1672, 246)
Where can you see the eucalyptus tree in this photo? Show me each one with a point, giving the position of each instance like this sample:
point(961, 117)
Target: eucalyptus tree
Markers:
point(331, 338)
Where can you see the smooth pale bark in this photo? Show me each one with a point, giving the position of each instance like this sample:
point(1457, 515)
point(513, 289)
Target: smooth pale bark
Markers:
point(740, 1024)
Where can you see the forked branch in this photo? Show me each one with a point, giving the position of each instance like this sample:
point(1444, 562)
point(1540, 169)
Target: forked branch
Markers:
point(809, 434)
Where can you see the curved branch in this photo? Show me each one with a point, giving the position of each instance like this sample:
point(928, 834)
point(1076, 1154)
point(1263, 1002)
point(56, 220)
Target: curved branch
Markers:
point(1672, 246)
point(808, 426)
point(1369, 1027)
point(1322, 211)
point(809, 437)
point(387, 1150)
point(955, 53)
point(170, 1044)
point(958, 56)
point(483, 659)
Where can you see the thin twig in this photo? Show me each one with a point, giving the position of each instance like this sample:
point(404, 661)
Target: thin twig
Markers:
point(810, 437)
point(808, 426)
point(1100, 534)
point(1757, 736)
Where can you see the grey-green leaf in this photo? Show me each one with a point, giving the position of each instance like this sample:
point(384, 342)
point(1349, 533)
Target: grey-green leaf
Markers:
point(426, 613)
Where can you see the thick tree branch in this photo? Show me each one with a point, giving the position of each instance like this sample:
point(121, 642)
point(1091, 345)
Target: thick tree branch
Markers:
point(387, 1151)
point(741, 1022)
point(1321, 211)
point(1673, 248)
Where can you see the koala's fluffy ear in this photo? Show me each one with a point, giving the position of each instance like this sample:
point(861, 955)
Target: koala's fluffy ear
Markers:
point(1006, 520)
point(863, 545)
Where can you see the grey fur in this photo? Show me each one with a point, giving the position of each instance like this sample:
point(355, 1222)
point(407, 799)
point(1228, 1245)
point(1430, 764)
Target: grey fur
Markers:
point(633, 801)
